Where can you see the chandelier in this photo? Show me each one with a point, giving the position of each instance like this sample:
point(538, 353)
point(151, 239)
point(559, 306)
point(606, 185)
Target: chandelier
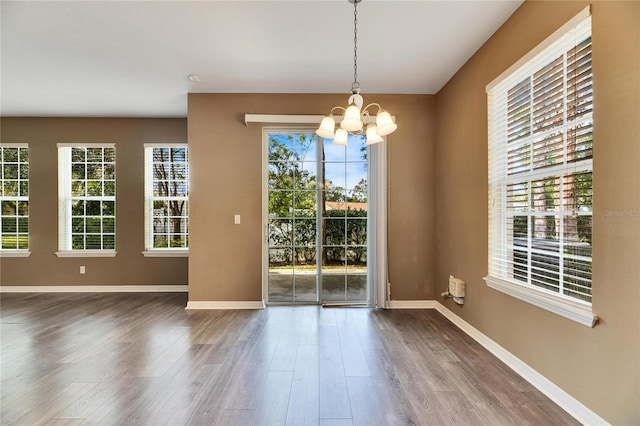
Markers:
point(356, 120)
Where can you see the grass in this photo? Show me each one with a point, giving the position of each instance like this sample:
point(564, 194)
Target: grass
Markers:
point(15, 242)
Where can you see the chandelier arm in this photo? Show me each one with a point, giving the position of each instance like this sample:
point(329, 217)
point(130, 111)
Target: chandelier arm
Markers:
point(337, 108)
point(365, 109)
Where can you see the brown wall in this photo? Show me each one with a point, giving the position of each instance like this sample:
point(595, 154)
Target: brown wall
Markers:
point(129, 267)
point(598, 366)
point(226, 179)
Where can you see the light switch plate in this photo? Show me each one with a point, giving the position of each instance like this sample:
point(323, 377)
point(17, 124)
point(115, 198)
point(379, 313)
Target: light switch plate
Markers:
point(236, 219)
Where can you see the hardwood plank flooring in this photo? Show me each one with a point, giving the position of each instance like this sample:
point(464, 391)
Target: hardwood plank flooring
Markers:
point(123, 359)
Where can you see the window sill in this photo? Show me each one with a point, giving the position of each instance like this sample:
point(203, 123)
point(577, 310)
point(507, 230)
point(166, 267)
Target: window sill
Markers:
point(165, 253)
point(86, 253)
point(574, 310)
point(15, 253)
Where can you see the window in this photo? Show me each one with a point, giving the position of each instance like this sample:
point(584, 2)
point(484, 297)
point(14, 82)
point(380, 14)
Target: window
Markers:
point(540, 175)
point(166, 200)
point(87, 199)
point(14, 199)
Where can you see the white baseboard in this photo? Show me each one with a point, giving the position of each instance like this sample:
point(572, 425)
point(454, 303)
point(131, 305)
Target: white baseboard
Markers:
point(223, 304)
point(571, 405)
point(412, 304)
point(93, 288)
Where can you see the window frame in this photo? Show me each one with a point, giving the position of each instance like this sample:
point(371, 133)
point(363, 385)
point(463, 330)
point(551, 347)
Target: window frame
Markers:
point(15, 252)
point(65, 198)
point(149, 198)
point(566, 306)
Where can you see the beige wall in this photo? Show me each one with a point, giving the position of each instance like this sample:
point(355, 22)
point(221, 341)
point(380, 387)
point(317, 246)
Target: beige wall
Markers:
point(226, 179)
point(129, 267)
point(598, 366)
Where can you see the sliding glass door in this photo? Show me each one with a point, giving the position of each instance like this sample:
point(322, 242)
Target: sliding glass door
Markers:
point(317, 219)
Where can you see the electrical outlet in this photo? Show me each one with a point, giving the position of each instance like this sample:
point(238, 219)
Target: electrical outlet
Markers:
point(82, 269)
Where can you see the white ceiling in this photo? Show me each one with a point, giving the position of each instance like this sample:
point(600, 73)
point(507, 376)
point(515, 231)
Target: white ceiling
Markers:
point(131, 58)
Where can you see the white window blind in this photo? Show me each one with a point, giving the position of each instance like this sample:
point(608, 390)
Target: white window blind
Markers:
point(14, 197)
point(87, 197)
point(540, 168)
point(166, 198)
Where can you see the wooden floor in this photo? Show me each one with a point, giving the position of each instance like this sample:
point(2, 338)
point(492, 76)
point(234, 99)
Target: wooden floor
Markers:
point(70, 359)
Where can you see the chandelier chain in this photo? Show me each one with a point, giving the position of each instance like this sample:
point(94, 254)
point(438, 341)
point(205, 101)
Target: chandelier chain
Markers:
point(355, 85)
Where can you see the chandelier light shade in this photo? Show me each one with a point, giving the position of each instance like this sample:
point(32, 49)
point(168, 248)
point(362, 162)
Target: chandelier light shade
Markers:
point(356, 120)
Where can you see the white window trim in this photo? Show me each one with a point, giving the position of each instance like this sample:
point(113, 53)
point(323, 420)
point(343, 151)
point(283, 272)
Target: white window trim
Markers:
point(64, 220)
point(567, 307)
point(166, 253)
point(86, 253)
point(14, 253)
point(570, 308)
point(149, 250)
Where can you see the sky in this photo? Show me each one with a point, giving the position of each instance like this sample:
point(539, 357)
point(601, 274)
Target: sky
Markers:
point(346, 174)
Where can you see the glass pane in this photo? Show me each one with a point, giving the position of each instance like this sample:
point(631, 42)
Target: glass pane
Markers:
point(357, 180)
point(78, 171)
point(358, 192)
point(78, 155)
point(334, 204)
point(23, 208)
point(334, 232)
point(77, 242)
point(23, 242)
point(94, 171)
point(357, 232)
point(108, 242)
point(110, 155)
point(9, 225)
point(110, 171)
point(333, 152)
point(77, 207)
point(280, 232)
point(280, 203)
point(281, 147)
point(304, 175)
point(356, 209)
point(94, 242)
point(78, 188)
point(23, 224)
point(77, 225)
point(109, 188)
point(357, 148)
point(305, 232)
point(304, 146)
point(305, 277)
point(335, 176)
point(334, 283)
point(10, 188)
point(160, 241)
point(24, 188)
point(10, 171)
point(577, 235)
point(94, 155)
point(24, 171)
point(94, 225)
point(281, 276)
point(108, 208)
point(94, 188)
point(108, 225)
point(10, 154)
point(304, 204)
point(93, 208)
point(357, 274)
